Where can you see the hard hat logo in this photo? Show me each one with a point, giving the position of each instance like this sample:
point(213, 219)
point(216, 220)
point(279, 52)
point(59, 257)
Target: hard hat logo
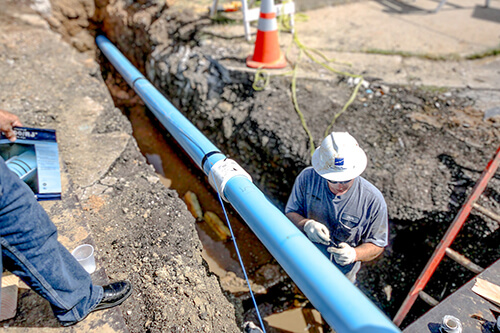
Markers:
point(339, 161)
point(339, 158)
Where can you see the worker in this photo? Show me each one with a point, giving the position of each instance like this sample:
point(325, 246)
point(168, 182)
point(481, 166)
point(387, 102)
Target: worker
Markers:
point(342, 213)
point(30, 250)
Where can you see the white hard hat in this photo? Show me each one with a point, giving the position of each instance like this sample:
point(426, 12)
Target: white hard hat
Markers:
point(339, 158)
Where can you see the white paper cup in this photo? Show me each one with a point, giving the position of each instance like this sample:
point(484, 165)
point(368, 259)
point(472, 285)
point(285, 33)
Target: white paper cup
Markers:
point(451, 324)
point(84, 254)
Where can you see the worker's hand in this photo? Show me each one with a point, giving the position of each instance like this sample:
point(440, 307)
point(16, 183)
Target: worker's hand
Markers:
point(344, 254)
point(317, 232)
point(7, 122)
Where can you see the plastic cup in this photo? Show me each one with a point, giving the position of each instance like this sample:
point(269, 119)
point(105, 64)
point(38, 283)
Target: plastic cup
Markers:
point(451, 325)
point(84, 254)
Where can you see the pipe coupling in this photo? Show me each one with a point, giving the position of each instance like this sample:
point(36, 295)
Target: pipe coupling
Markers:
point(222, 171)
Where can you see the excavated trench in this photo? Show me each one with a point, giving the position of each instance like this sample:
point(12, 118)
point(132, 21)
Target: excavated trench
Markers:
point(426, 149)
point(275, 292)
point(385, 280)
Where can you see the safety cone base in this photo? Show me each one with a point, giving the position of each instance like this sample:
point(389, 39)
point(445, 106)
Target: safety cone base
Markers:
point(280, 63)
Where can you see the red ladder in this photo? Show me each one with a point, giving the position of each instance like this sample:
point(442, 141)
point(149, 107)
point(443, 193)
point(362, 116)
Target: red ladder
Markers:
point(443, 247)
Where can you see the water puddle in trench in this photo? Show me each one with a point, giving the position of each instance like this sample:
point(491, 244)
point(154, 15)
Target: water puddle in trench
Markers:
point(282, 302)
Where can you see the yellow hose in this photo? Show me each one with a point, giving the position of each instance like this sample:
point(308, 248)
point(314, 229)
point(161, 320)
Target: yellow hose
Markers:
point(262, 74)
point(296, 104)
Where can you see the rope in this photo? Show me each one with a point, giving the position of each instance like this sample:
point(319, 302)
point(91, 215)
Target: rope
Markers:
point(349, 102)
point(260, 75)
point(296, 105)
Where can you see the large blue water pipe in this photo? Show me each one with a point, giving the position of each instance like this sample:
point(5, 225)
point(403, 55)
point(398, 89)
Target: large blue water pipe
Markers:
point(343, 306)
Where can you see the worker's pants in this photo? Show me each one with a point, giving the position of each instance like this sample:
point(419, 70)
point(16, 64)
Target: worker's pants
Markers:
point(30, 250)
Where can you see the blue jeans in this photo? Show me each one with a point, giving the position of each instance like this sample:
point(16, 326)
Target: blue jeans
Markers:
point(30, 250)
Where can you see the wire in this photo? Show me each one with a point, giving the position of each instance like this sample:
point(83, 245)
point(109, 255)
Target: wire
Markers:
point(240, 259)
point(232, 233)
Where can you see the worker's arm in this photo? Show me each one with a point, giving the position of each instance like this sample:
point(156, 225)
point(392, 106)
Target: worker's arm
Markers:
point(297, 219)
point(7, 122)
point(368, 251)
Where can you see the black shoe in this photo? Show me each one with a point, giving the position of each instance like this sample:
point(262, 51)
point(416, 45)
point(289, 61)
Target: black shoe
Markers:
point(114, 294)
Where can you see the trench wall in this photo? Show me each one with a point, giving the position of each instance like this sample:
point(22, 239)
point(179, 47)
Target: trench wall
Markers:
point(162, 40)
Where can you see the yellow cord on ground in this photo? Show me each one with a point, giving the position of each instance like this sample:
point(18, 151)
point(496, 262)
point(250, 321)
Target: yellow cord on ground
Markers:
point(346, 105)
point(262, 75)
point(296, 104)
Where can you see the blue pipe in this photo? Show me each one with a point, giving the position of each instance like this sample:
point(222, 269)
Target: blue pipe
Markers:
point(343, 306)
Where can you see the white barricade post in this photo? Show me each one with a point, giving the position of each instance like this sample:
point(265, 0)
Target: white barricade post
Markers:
point(249, 15)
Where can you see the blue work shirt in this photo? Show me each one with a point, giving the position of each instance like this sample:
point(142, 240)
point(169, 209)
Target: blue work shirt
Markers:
point(355, 217)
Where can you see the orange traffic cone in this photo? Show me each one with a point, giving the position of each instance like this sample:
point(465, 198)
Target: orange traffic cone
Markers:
point(267, 53)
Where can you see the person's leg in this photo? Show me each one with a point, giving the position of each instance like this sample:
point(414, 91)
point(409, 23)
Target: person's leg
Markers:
point(30, 250)
point(1, 264)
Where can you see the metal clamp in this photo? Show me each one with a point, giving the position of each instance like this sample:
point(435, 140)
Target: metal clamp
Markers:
point(222, 171)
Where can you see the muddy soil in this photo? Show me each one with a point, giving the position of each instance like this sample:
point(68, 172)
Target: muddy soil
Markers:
point(427, 147)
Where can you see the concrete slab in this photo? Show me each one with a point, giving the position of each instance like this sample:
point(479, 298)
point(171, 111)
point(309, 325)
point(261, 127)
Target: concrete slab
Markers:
point(400, 27)
point(110, 147)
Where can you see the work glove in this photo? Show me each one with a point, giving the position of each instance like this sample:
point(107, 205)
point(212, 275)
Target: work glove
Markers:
point(317, 232)
point(344, 254)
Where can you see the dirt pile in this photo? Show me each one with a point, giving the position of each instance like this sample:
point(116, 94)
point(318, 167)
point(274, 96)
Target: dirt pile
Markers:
point(157, 248)
point(142, 230)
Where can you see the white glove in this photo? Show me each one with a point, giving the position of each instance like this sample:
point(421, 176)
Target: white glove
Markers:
point(344, 254)
point(317, 232)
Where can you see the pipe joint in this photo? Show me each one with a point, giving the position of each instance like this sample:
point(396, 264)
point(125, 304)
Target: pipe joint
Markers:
point(205, 158)
point(222, 171)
